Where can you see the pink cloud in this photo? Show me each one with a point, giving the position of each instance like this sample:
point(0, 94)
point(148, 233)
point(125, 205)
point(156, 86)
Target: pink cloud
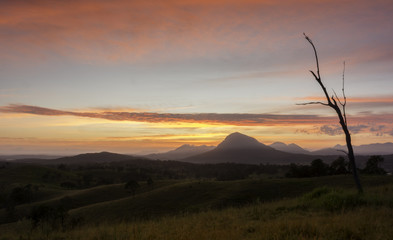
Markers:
point(123, 30)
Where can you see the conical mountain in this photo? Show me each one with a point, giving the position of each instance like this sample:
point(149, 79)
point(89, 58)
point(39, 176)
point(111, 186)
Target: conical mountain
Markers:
point(240, 148)
point(240, 141)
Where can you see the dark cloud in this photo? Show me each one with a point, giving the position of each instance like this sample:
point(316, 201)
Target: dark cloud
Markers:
point(334, 130)
point(331, 130)
point(357, 128)
point(377, 128)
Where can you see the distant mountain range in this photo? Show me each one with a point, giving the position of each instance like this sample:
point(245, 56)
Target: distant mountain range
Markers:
point(181, 152)
point(241, 141)
point(371, 149)
point(239, 148)
point(26, 156)
point(86, 158)
point(291, 148)
point(366, 149)
point(235, 148)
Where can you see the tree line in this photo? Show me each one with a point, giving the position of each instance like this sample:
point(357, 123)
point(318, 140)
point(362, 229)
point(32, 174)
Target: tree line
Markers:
point(318, 168)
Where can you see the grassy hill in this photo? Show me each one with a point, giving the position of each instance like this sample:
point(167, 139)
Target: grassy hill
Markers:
point(194, 196)
point(94, 204)
point(324, 213)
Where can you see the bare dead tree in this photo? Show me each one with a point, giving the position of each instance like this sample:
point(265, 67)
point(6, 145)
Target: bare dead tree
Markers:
point(335, 103)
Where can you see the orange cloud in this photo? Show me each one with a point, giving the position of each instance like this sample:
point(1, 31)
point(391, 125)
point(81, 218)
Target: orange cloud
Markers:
point(235, 119)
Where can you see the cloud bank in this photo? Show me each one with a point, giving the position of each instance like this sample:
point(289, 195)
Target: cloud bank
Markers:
point(236, 119)
point(377, 124)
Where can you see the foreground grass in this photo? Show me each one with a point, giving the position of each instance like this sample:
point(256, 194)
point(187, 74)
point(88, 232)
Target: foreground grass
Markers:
point(324, 213)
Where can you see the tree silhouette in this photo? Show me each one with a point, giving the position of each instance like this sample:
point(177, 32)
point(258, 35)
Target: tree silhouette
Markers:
point(372, 166)
point(333, 102)
point(339, 166)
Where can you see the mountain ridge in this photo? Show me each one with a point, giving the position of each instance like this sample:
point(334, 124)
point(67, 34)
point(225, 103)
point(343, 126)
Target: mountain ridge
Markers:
point(185, 150)
point(240, 148)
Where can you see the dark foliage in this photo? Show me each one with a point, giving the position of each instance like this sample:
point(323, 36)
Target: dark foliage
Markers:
point(339, 166)
point(373, 166)
point(318, 168)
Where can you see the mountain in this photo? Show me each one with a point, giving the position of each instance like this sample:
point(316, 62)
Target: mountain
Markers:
point(240, 141)
point(328, 152)
point(370, 149)
point(291, 148)
point(27, 156)
point(365, 149)
point(239, 148)
point(86, 158)
point(183, 151)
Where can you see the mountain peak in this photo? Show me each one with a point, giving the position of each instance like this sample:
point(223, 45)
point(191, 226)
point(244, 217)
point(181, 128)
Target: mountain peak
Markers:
point(238, 140)
point(291, 148)
point(278, 144)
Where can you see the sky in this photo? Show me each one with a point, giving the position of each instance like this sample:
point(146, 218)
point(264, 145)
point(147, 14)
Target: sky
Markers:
point(147, 76)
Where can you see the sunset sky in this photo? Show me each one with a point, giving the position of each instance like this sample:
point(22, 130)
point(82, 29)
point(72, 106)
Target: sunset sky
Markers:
point(150, 75)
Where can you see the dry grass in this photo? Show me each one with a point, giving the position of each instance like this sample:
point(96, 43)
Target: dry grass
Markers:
point(370, 218)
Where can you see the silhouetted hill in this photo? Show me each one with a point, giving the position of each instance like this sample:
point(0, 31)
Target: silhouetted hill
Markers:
point(328, 152)
point(370, 149)
point(240, 141)
point(183, 151)
point(28, 156)
point(239, 148)
point(291, 148)
point(86, 158)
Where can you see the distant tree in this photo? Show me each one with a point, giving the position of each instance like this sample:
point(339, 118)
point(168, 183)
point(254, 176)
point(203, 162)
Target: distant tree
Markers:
point(298, 171)
point(334, 102)
point(338, 166)
point(372, 166)
point(132, 186)
point(319, 168)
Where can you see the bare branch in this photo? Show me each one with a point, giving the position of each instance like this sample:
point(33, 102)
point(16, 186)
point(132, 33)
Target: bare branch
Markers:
point(315, 52)
point(338, 99)
point(315, 76)
point(339, 150)
point(318, 76)
point(334, 101)
point(345, 98)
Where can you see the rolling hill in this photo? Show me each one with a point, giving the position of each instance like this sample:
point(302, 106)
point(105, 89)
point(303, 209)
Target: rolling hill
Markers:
point(86, 158)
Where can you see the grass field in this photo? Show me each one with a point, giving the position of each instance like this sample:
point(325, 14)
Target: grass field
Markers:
point(325, 213)
point(312, 208)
